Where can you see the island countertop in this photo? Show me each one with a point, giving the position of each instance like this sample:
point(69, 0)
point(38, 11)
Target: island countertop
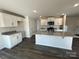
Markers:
point(55, 39)
point(57, 33)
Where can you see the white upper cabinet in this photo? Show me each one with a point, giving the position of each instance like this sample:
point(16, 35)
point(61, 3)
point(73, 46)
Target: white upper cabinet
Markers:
point(58, 21)
point(8, 20)
point(43, 21)
point(51, 19)
point(14, 21)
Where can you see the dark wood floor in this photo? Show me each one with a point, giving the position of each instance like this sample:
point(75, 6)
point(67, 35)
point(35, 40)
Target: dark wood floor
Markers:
point(28, 50)
point(75, 45)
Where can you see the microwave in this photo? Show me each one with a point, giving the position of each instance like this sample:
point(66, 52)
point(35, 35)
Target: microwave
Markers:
point(50, 23)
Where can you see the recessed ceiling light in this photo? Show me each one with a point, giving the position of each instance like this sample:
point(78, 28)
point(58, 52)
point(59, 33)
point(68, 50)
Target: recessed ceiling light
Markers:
point(63, 14)
point(35, 11)
point(40, 16)
point(75, 5)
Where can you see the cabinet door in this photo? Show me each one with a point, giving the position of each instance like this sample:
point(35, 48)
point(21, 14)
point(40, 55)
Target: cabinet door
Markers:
point(58, 21)
point(43, 21)
point(8, 41)
point(13, 40)
point(14, 21)
point(7, 20)
point(19, 38)
point(51, 19)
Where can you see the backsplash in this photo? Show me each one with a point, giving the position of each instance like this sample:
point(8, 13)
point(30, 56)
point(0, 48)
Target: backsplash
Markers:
point(18, 28)
point(6, 29)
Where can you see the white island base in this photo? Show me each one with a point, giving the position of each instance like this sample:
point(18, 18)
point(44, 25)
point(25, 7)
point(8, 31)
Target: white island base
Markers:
point(54, 41)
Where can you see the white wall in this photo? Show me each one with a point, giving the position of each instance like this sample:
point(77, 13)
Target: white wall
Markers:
point(33, 25)
point(38, 24)
point(30, 26)
point(73, 24)
point(26, 27)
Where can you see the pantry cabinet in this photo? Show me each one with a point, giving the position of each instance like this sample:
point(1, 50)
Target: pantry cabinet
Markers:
point(57, 21)
point(51, 19)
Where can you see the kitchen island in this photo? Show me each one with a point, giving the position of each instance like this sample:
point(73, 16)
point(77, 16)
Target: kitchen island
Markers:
point(55, 39)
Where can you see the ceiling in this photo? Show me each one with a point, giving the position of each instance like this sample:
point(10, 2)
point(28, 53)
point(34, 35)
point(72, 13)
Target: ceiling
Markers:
point(43, 7)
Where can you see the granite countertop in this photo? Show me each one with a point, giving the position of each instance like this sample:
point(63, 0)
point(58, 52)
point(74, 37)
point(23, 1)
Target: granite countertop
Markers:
point(9, 33)
point(57, 33)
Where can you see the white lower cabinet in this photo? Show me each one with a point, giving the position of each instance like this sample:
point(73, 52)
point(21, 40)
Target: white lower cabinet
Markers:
point(19, 38)
point(1, 43)
point(12, 40)
point(54, 41)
